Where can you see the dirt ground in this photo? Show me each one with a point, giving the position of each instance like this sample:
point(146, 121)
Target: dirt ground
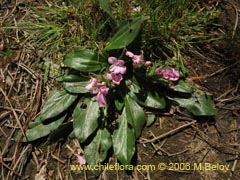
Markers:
point(178, 145)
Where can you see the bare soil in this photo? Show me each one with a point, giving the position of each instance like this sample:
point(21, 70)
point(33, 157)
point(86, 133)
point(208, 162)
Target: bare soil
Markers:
point(181, 142)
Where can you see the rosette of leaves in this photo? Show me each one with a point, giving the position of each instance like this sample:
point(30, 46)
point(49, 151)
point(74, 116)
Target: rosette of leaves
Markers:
point(96, 128)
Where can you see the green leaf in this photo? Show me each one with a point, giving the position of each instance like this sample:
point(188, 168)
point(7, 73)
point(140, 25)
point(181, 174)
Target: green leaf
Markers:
point(148, 98)
point(184, 87)
point(72, 135)
point(36, 121)
point(57, 102)
point(135, 115)
point(61, 133)
point(134, 87)
point(119, 104)
point(153, 100)
point(126, 34)
point(85, 121)
point(124, 140)
point(75, 83)
point(73, 78)
point(150, 119)
point(200, 104)
point(106, 7)
point(84, 60)
point(42, 130)
point(52, 70)
point(96, 151)
point(76, 87)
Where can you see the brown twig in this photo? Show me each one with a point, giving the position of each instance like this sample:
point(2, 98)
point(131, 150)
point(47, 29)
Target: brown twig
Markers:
point(7, 167)
point(13, 110)
point(224, 148)
point(20, 164)
point(31, 115)
point(159, 148)
point(236, 20)
point(237, 98)
point(223, 69)
point(224, 94)
point(144, 140)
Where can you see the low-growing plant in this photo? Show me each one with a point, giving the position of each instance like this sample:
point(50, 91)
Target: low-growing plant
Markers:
point(105, 93)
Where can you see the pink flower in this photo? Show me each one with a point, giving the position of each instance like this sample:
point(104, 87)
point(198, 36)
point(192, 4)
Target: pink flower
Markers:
point(137, 59)
point(169, 73)
point(148, 63)
point(93, 83)
point(101, 99)
point(117, 66)
point(100, 89)
point(130, 54)
point(116, 78)
point(117, 69)
point(81, 160)
point(159, 70)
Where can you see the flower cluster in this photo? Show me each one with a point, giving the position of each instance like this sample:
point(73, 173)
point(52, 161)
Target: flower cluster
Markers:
point(169, 73)
point(116, 71)
point(100, 89)
point(137, 59)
